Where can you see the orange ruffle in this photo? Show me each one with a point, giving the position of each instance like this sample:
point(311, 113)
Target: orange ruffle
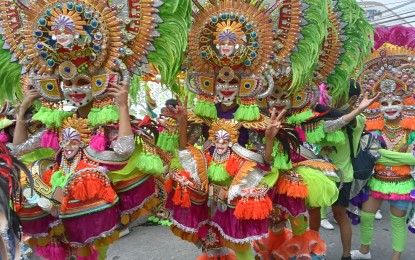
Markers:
point(229, 256)
point(265, 246)
point(410, 101)
point(295, 189)
point(235, 246)
point(303, 245)
point(47, 176)
point(402, 170)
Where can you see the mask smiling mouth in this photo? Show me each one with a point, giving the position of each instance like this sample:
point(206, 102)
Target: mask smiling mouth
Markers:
point(77, 97)
point(391, 113)
point(227, 93)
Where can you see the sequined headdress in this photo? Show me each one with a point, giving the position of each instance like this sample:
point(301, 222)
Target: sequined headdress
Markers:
point(90, 44)
point(390, 71)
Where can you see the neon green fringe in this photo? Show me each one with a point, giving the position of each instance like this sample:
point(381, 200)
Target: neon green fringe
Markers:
point(402, 187)
point(103, 116)
point(281, 161)
point(175, 164)
point(149, 163)
point(51, 118)
point(300, 117)
point(59, 180)
point(316, 135)
point(42, 153)
point(336, 137)
point(322, 191)
point(218, 174)
point(247, 113)
point(168, 143)
point(206, 109)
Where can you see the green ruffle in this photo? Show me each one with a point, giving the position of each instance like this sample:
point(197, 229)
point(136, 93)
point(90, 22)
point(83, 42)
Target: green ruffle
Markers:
point(271, 178)
point(247, 113)
point(5, 122)
point(316, 135)
point(401, 188)
point(322, 191)
point(51, 118)
point(336, 137)
point(300, 117)
point(168, 142)
point(103, 116)
point(129, 171)
point(162, 222)
point(149, 163)
point(59, 180)
point(206, 109)
point(218, 174)
point(411, 138)
point(281, 160)
point(41, 153)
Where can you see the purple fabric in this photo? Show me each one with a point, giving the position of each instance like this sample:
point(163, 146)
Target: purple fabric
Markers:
point(243, 132)
point(134, 197)
point(295, 206)
point(80, 229)
point(188, 217)
point(412, 229)
point(38, 226)
point(355, 219)
point(359, 199)
point(239, 229)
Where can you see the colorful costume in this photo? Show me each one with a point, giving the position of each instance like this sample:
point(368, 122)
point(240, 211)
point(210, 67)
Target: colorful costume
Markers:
point(71, 52)
point(310, 181)
point(389, 72)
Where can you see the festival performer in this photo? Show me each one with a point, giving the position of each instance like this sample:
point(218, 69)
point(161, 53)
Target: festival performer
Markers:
point(230, 49)
point(390, 72)
point(318, 125)
point(82, 54)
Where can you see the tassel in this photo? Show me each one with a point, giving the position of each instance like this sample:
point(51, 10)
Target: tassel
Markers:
point(98, 141)
point(79, 192)
point(53, 141)
point(249, 209)
point(108, 194)
point(232, 166)
point(168, 185)
point(186, 198)
point(4, 138)
point(46, 138)
point(257, 209)
point(177, 195)
point(239, 209)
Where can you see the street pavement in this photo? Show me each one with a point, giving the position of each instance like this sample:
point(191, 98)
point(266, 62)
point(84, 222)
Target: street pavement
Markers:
point(158, 243)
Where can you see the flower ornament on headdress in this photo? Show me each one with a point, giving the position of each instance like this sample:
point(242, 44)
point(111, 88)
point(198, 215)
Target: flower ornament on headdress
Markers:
point(223, 129)
point(75, 128)
point(390, 71)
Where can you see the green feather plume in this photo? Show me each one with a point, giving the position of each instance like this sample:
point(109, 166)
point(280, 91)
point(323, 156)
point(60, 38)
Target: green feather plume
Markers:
point(357, 46)
point(10, 84)
point(308, 48)
point(171, 45)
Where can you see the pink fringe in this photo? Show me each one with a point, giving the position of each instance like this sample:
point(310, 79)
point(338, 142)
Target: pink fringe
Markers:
point(54, 141)
point(324, 98)
point(393, 196)
point(98, 142)
point(301, 133)
point(51, 251)
point(397, 35)
point(4, 138)
point(45, 139)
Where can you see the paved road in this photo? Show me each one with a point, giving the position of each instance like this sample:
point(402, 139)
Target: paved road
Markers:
point(158, 243)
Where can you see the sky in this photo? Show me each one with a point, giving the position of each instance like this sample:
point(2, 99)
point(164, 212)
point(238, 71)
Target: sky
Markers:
point(405, 8)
